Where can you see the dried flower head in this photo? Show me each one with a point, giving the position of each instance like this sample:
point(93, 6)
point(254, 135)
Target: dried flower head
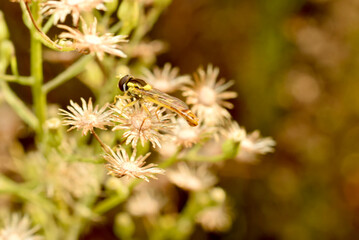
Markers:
point(209, 96)
point(120, 164)
point(72, 180)
point(167, 79)
point(253, 144)
point(17, 227)
point(185, 135)
point(60, 9)
point(168, 148)
point(63, 178)
point(90, 41)
point(146, 202)
point(192, 178)
point(141, 121)
point(86, 117)
point(215, 219)
point(234, 132)
point(146, 51)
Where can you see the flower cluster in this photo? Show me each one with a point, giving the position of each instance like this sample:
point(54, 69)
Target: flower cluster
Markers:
point(140, 120)
point(62, 181)
point(140, 123)
point(86, 40)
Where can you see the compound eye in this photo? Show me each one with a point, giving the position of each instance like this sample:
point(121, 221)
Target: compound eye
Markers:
point(122, 84)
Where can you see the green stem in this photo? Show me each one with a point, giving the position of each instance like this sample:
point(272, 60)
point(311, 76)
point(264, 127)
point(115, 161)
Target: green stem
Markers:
point(116, 27)
point(109, 203)
point(8, 186)
point(19, 107)
point(39, 97)
point(48, 24)
point(187, 216)
point(43, 207)
point(30, 21)
point(17, 79)
point(86, 160)
point(116, 199)
point(43, 37)
point(106, 148)
point(79, 221)
point(229, 150)
point(69, 73)
point(146, 25)
point(171, 160)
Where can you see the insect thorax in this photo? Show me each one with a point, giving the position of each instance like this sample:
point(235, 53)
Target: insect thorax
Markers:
point(130, 86)
point(138, 83)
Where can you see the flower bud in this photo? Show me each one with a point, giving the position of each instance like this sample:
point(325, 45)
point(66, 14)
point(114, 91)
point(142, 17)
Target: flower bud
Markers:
point(124, 227)
point(128, 13)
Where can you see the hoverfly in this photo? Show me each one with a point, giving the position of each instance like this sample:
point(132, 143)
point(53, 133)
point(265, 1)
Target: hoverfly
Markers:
point(142, 91)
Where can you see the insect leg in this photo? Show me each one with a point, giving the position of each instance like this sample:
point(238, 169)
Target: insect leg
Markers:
point(145, 108)
point(127, 105)
point(143, 121)
point(157, 109)
point(120, 109)
point(124, 97)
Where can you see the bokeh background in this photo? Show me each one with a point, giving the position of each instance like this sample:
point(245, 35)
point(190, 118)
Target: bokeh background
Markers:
point(296, 68)
point(295, 64)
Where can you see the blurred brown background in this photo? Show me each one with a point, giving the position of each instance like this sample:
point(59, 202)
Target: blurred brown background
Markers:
point(295, 64)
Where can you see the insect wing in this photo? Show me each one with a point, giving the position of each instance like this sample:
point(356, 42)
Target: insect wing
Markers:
point(170, 102)
point(165, 99)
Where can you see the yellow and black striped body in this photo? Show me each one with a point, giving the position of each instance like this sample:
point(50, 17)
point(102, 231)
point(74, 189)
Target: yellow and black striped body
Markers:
point(141, 90)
